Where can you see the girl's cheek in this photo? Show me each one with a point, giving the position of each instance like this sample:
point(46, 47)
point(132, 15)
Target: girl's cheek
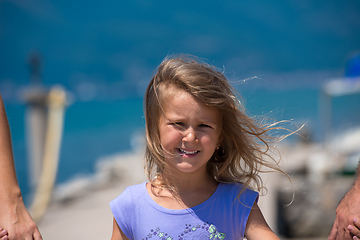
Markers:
point(208, 140)
point(176, 135)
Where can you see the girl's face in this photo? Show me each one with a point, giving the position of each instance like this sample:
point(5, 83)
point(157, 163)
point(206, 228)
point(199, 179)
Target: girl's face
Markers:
point(189, 133)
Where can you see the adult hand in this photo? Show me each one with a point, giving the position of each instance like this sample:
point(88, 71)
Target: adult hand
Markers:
point(15, 218)
point(346, 212)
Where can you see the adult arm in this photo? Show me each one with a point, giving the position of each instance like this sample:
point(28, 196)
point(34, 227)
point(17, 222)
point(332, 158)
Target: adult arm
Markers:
point(14, 217)
point(347, 211)
point(257, 228)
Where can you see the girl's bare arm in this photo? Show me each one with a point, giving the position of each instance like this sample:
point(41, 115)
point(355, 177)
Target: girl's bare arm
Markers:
point(117, 233)
point(257, 228)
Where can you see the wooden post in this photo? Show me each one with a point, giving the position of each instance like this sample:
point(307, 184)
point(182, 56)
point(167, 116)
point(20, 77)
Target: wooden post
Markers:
point(35, 120)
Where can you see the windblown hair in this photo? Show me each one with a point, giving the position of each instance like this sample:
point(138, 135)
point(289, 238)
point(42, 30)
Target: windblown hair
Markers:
point(245, 146)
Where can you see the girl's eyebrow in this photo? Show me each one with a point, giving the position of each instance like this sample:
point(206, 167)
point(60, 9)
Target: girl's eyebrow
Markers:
point(179, 117)
point(174, 118)
point(209, 121)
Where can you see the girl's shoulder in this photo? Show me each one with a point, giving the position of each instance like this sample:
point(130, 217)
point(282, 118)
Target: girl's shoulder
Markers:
point(237, 191)
point(233, 186)
point(125, 206)
point(136, 189)
point(132, 192)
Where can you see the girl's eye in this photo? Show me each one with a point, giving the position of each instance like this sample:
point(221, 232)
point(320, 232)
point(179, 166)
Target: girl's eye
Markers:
point(180, 124)
point(205, 125)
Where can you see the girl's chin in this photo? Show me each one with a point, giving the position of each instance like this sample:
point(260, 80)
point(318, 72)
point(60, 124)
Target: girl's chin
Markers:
point(187, 167)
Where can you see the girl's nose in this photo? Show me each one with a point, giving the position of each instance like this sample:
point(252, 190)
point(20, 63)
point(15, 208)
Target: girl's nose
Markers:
point(190, 137)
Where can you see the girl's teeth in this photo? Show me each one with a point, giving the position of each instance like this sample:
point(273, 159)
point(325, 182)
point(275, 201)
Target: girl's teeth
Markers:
point(186, 152)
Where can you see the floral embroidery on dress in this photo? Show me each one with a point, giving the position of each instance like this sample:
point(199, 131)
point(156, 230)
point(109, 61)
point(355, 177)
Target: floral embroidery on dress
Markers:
point(197, 232)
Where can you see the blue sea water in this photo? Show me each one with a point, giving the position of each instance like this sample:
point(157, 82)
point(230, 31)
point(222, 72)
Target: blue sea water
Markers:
point(105, 53)
point(95, 129)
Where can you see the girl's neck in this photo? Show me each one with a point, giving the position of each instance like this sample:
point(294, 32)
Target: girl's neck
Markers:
point(182, 192)
point(188, 182)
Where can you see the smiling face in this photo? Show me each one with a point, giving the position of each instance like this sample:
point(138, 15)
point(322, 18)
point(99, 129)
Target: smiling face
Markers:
point(189, 133)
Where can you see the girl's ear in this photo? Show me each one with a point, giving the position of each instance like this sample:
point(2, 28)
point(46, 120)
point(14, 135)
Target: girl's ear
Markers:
point(219, 141)
point(217, 146)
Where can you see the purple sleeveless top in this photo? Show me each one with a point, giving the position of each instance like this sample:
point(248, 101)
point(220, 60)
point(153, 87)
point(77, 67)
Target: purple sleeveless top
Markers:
point(222, 216)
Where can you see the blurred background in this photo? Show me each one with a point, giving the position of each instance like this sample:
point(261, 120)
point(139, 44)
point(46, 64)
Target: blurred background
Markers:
point(290, 60)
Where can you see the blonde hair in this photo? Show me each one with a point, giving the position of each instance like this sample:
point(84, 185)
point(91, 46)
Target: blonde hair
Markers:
point(245, 144)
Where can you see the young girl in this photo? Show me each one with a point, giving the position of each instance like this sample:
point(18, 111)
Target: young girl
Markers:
point(203, 154)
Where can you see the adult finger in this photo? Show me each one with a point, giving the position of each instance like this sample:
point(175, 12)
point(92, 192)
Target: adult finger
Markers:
point(27, 237)
point(3, 233)
point(333, 232)
point(355, 229)
point(37, 235)
point(356, 222)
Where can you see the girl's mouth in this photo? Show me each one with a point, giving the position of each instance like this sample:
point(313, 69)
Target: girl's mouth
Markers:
point(185, 152)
